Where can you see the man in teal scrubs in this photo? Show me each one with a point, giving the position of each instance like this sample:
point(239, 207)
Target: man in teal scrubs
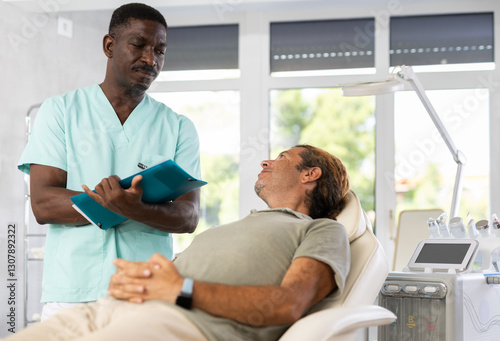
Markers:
point(94, 136)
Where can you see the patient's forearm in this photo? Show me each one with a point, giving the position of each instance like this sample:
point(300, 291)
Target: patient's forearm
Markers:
point(306, 282)
point(252, 305)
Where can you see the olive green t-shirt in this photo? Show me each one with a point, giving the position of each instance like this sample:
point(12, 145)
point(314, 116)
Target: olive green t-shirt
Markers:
point(258, 250)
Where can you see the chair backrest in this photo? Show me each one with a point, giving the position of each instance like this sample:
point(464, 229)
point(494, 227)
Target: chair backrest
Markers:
point(338, 316)
point(412, 228)
point(369, 266)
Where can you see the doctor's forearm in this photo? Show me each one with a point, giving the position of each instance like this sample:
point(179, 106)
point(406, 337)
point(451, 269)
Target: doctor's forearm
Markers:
point(50, 199)
point(54, 206)
point(176, 217)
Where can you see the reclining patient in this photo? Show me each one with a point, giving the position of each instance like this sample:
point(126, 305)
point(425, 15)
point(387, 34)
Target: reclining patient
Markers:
point(247, 280)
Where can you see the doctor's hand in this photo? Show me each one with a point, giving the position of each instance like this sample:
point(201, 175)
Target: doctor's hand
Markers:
point(136, 282)
point(111, 195)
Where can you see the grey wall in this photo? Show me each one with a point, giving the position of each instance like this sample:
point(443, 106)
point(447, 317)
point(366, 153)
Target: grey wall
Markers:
point(35, 63)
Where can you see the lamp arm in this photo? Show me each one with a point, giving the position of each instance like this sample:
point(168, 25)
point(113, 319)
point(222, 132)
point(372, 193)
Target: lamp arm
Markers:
point(408, 74)
point(457, 191)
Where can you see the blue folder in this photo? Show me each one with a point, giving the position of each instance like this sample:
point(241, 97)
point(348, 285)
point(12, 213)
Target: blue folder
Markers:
point(160, 183)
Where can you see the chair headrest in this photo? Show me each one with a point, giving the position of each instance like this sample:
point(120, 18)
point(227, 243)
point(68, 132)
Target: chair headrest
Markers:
point(353, 217)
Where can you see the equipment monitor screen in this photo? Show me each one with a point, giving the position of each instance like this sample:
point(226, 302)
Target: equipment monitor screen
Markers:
point(443, 254)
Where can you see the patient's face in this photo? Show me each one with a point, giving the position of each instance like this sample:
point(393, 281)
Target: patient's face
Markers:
point(279, 176)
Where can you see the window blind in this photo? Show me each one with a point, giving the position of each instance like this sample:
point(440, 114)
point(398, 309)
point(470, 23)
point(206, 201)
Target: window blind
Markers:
point(201, 48)
point(441, 39)
point(321, 45)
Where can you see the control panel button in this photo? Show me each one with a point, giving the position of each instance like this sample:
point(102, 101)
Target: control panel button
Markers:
point(392, 288)
point(429, 289)
point(411, 288)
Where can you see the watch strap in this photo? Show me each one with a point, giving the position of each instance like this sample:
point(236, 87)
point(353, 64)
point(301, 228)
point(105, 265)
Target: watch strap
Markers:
point(185, 298)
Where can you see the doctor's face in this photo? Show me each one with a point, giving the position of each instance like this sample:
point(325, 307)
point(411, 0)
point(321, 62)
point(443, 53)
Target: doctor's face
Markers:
point(138, 50)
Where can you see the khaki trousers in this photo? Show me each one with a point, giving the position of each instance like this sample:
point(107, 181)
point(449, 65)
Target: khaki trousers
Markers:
point(109, 319)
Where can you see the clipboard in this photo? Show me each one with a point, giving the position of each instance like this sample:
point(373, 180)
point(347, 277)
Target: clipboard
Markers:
point(161, 183)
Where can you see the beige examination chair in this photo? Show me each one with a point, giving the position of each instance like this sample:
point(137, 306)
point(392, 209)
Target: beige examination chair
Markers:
point(339, 316)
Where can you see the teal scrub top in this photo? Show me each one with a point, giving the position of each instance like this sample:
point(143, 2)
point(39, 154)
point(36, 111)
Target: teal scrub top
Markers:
point(80, 133)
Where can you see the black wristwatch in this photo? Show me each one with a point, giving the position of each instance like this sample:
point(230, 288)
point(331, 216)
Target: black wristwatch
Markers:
point(185, 298)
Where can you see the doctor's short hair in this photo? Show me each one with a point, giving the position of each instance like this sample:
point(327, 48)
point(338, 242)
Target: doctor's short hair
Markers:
point(328, 198)
point(124, 13)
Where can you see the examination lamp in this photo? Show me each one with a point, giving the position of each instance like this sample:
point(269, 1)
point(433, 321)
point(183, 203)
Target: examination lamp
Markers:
point(395, 82)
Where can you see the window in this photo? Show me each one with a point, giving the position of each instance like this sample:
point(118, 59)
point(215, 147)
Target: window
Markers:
point(425, 170)
point(343, 126)
point(216, 117)
point(207, 52)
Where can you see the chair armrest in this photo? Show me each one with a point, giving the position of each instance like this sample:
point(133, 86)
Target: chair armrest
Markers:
point(339, 321)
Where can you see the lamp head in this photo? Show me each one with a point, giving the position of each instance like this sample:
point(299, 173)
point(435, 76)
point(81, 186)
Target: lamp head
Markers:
point(392, 84)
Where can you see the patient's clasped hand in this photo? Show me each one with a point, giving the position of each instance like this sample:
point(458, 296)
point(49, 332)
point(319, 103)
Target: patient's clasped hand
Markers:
point(246, 280)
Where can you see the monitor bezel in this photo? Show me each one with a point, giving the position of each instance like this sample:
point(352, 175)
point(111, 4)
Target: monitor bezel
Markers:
point(463, 266)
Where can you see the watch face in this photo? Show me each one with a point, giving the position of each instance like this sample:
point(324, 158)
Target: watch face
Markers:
point(184, 301)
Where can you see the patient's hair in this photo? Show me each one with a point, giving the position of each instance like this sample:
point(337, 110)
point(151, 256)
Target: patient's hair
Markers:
point(328, 198)
point(123, 14)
